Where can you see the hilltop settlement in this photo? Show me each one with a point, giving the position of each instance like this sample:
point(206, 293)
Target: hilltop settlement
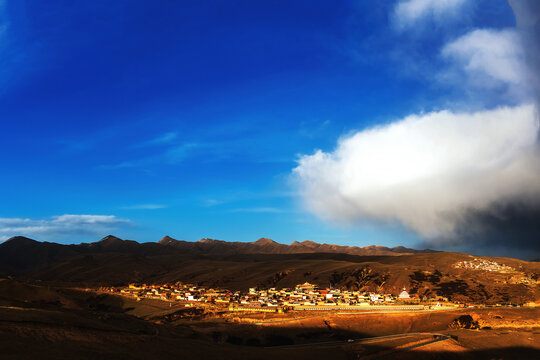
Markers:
point(305, 296)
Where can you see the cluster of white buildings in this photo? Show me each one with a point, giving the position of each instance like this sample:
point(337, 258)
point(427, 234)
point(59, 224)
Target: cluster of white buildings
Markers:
point(176, 292)
point(310, 295)
point(482, 264)
point(301, 296)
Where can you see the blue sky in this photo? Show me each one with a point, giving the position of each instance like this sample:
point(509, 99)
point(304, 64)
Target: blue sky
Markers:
point(187, 118)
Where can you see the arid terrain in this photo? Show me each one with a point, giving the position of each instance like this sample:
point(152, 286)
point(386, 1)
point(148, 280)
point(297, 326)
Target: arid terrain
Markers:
point(270, 180)
point(51, 322)
point(51, 305)
point(238, 266)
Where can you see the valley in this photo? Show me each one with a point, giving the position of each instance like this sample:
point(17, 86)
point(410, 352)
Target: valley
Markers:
point(255, 300)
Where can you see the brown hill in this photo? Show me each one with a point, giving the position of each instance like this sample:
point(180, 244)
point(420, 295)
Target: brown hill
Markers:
point(265, 263)
point(49, 322)
point(269, 246)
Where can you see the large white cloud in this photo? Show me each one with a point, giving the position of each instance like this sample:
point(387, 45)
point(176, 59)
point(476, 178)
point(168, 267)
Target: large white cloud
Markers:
point(426, 171)
point(60, 225)
point(408, 12)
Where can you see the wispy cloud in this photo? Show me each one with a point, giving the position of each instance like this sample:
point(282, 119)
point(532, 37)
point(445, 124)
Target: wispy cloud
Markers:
point(475, 67)
point(163, 139)
point(257, 210)
point(172, 155)
point(20, 55)
point(172, 149)
point(144, 207)
point(179, 152)
point(314, 128)
point(408, 13)
point(4, 26)
point(122, 165)
point(213, 202)
point(244, 195)
point(3, 16)
point(74, 225)
point(488, 58)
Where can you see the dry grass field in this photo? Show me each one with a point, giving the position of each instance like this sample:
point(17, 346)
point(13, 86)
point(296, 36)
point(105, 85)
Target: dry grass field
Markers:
point(47, 322)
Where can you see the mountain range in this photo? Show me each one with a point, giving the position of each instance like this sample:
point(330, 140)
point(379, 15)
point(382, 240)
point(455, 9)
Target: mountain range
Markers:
point(20, 254)
point(269, 246)
point(266, 263)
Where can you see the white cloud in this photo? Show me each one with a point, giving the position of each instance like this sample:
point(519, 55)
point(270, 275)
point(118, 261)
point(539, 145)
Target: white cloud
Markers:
point(72, 220)
point(489, 58)
point(408, 12)
point(426, 171)
point(60, 225)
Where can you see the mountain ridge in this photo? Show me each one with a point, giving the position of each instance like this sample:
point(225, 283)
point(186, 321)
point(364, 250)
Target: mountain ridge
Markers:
point(266, 263)
point(20, 254)
point(264, 245)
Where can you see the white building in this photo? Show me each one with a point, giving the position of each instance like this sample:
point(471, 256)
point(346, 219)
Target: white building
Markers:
point(404, 294)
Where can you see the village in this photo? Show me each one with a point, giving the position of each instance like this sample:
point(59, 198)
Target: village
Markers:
point(486, 265)
point(303, 297)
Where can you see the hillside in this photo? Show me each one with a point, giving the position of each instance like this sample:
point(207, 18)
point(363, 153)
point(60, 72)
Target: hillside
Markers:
point(268, 246)
point(266, 263)
point(48, 322)
point(19, 255)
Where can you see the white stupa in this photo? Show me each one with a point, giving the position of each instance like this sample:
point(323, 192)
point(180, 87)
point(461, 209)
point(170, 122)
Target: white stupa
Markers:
point(404, 295)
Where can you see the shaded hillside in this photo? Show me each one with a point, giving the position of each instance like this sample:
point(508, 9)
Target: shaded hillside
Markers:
point(19, 255)
point(268, 246)
point(264, 263)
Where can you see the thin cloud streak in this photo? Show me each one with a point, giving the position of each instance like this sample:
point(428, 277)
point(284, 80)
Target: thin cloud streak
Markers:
point(173, 155)
point(162, 140)
point(257, 210)
point(408, 13)
point(144, 207)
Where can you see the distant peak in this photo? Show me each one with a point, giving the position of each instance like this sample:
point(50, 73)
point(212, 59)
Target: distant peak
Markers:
point(295, 243)
point(167, 240)
point(401, 249)
point(309, 243)
point(110, 239)
point(20, 240)
point(264, 241)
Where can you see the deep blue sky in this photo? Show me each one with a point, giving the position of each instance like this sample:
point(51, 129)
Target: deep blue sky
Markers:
point(186, 118)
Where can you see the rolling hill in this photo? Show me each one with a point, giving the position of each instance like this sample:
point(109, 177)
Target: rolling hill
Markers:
point(265, 263)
